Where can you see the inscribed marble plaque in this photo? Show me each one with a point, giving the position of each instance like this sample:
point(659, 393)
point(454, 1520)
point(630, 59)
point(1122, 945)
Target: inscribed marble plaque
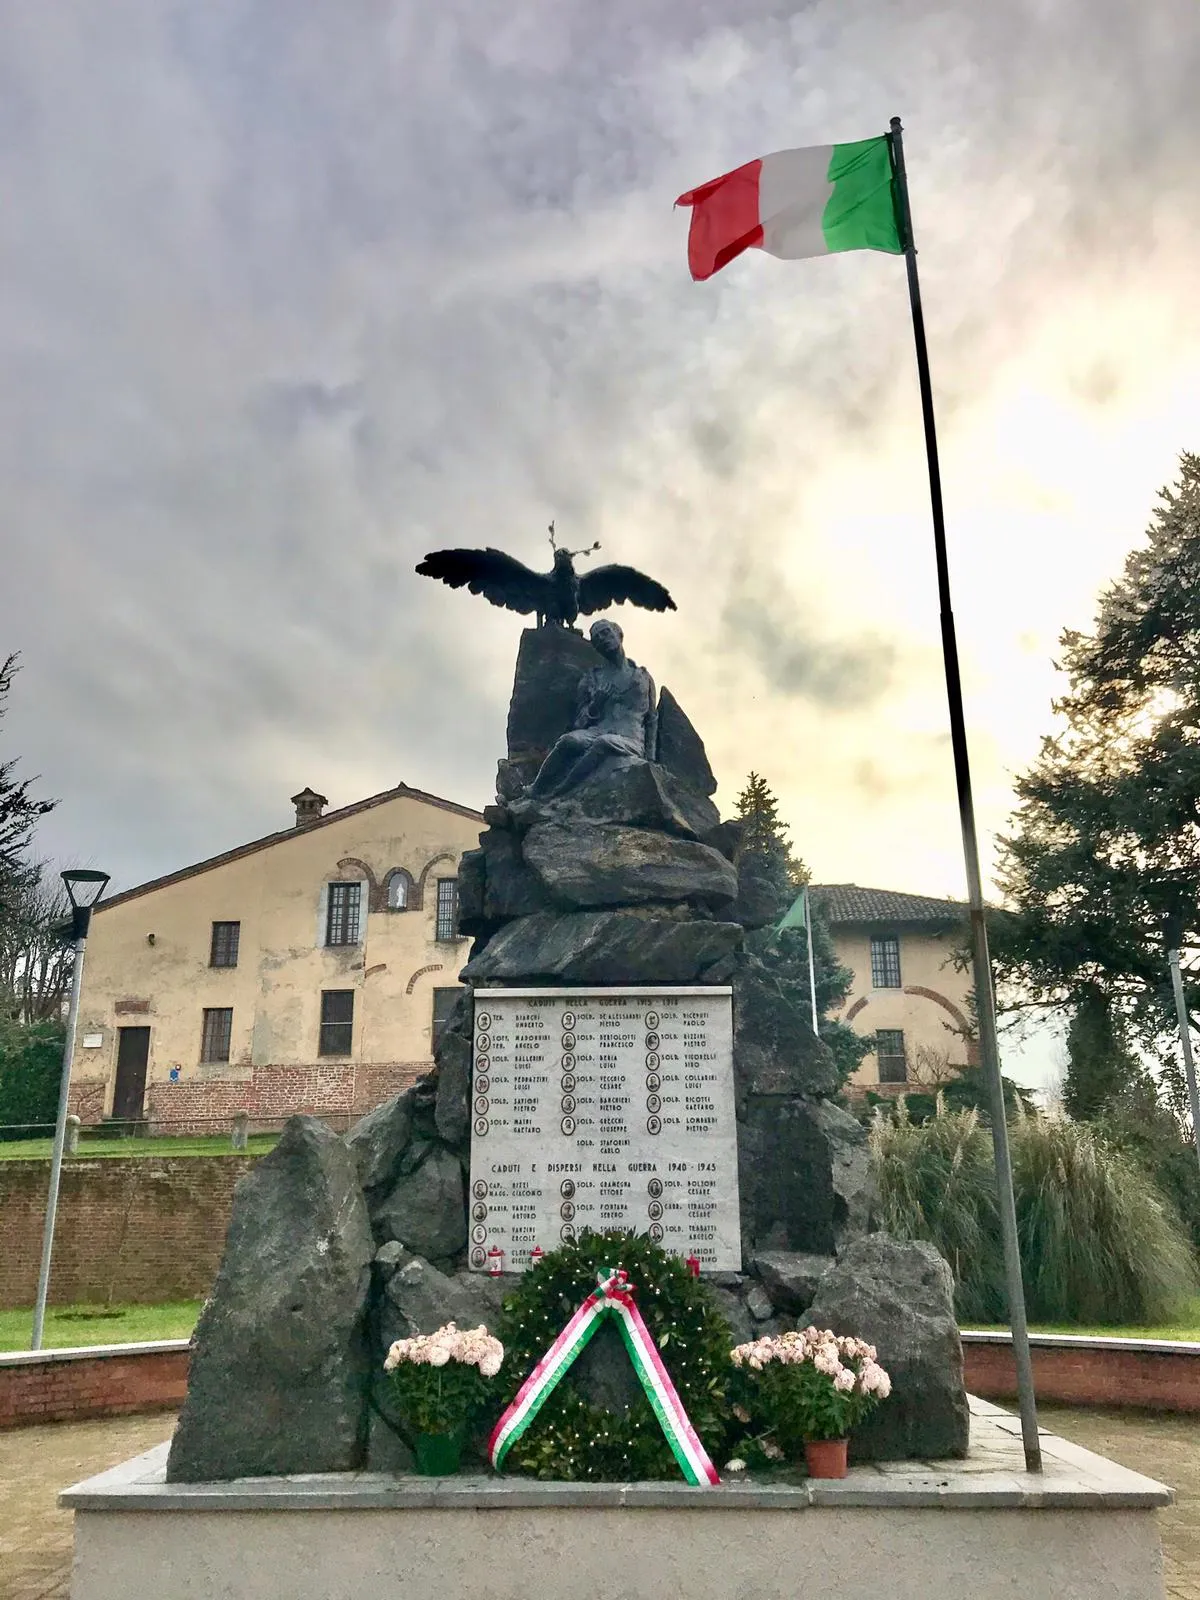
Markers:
point(603, 1108)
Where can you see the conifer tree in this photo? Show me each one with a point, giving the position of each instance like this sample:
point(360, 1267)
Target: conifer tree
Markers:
point(765, 851)
point(1104, 857)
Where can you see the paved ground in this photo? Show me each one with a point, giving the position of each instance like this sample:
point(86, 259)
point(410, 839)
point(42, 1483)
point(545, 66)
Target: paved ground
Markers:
point(35, 1463)
point(1163, 1447)
point(35, 1537)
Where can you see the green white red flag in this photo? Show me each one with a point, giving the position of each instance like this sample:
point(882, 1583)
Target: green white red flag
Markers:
point(797, 203)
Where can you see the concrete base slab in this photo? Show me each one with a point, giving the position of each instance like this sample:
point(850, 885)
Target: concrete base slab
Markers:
point(1083, 1530)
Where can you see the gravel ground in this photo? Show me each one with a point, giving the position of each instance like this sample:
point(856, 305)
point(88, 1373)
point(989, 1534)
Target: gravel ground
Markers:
point(35, 1463)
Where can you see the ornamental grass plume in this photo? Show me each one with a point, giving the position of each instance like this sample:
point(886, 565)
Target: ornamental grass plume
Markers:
point(809, 1385)
point(1099, 1244)
point(937, 1182)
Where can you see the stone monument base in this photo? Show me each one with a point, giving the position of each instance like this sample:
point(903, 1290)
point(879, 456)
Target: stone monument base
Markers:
point(910, 1530)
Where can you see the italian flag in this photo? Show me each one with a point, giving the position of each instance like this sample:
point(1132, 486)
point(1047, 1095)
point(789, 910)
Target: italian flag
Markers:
point(797, 203)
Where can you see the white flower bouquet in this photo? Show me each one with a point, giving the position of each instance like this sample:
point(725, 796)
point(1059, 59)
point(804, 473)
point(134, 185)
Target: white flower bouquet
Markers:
point(810, 1386)
point(440, 1383)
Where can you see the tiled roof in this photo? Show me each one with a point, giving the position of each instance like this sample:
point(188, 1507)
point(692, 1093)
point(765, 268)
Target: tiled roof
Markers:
point(846, 903)
point(400, 792)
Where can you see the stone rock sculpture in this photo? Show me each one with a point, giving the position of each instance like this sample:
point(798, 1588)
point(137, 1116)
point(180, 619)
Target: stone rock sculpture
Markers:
point(280, 1358)
point(604, 862)
point(899, 1296)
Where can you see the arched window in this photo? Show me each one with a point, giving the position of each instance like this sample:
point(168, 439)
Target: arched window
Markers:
point(400, 890)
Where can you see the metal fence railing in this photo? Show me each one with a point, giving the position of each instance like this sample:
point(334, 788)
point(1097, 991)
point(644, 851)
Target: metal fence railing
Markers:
point(235, 1126)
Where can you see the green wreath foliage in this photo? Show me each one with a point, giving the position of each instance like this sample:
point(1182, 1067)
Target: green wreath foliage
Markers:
point(570, 1439)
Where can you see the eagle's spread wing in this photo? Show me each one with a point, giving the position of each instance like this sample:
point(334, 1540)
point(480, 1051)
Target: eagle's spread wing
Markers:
point(499, 578)
point(611, 585)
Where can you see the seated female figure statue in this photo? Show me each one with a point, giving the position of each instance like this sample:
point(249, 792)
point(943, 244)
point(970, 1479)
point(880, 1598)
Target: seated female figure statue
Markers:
point(616, 722)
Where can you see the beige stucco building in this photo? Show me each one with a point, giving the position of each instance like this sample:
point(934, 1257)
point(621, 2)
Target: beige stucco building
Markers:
point(301, 971)
point(304, 971)
point(907, 989)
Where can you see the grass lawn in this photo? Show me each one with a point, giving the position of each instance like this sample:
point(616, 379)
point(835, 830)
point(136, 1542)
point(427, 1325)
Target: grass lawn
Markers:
point(82, 1325)
point(1186, 1326)
point(164, 1145)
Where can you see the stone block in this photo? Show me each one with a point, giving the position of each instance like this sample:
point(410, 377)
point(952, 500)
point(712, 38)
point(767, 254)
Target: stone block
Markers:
point(511, 888)
point(791, 1277)
point(425, 1209)
point(775, 1051)
point(899, 1296)
point(453, 1056)
point(680, 748)
point(419, 1299)
point(805, 1176)
point(550, 663)
point(470, 890)
point(733, 1312)
point(604, 947)
point(583, 866)
point(641, 794)
point(279, 1365)
point(379, 1140)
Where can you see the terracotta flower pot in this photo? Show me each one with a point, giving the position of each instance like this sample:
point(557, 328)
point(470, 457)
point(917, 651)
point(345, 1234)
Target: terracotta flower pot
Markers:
point(826, 1458)
point(439, 1455)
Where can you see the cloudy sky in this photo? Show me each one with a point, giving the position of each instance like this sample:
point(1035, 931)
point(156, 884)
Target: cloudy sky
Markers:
point(291, 294)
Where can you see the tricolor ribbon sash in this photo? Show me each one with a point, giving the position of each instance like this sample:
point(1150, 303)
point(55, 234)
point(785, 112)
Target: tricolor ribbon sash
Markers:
point(612, 1297)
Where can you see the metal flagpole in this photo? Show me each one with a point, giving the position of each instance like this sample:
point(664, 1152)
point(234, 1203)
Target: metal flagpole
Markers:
point(981, 961)
point(812, 977)
point(1185, 1040)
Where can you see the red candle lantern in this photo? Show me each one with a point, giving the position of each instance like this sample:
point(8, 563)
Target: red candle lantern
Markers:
point(535, 1256)
point(495, 1261)
point(692, 1263)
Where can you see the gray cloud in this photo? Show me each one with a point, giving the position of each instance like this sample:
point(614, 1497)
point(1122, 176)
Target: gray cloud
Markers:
point(290, 296)
point(780, 638)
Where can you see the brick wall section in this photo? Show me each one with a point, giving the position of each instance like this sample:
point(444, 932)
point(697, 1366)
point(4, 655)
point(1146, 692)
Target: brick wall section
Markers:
point(67, 1386)
point(138, 1228)
point(1089, 1373)
point(337, 1089)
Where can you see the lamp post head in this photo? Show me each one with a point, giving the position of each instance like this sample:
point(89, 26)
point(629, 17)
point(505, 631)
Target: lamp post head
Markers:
point(84, 887)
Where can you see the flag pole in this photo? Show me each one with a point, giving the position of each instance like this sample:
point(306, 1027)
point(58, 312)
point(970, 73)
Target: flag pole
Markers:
point(981, 961)
point(812, 974)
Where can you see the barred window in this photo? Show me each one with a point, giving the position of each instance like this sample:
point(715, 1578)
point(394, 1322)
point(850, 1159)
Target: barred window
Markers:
point(447, 909)
point(885, 963)
point(444, 1002)
point(224, 949)
point(889, 1052)
point(337, 1022)
point(218, 1029)
point(341, 918)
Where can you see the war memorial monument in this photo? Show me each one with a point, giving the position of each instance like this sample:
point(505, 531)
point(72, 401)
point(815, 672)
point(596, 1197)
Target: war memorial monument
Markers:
point(619, 1062)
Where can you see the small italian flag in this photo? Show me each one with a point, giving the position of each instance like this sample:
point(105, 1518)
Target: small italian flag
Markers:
point(797, 203)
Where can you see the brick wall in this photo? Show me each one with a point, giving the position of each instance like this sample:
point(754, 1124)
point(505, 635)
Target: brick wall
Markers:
point(138, 1228)
point(337, 1089)
point(1091, 1372)
point(68, 1385)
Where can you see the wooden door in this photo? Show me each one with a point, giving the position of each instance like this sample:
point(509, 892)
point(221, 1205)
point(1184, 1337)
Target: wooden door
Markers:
point(133, 1053)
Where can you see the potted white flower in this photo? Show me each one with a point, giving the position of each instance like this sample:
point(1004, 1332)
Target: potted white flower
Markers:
point(809, 1389)
point(440, 1383)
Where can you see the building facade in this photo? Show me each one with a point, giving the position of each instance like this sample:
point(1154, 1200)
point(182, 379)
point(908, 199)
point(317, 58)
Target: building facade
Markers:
point(300, 972)
point(908, 990)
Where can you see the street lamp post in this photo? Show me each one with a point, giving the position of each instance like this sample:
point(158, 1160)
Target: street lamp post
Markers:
point(84, 887)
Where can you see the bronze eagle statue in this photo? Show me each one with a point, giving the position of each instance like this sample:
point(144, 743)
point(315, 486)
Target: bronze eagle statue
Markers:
point(560, 595)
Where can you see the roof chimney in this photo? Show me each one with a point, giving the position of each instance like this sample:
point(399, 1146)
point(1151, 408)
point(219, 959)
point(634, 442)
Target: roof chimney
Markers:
point(309, 806)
